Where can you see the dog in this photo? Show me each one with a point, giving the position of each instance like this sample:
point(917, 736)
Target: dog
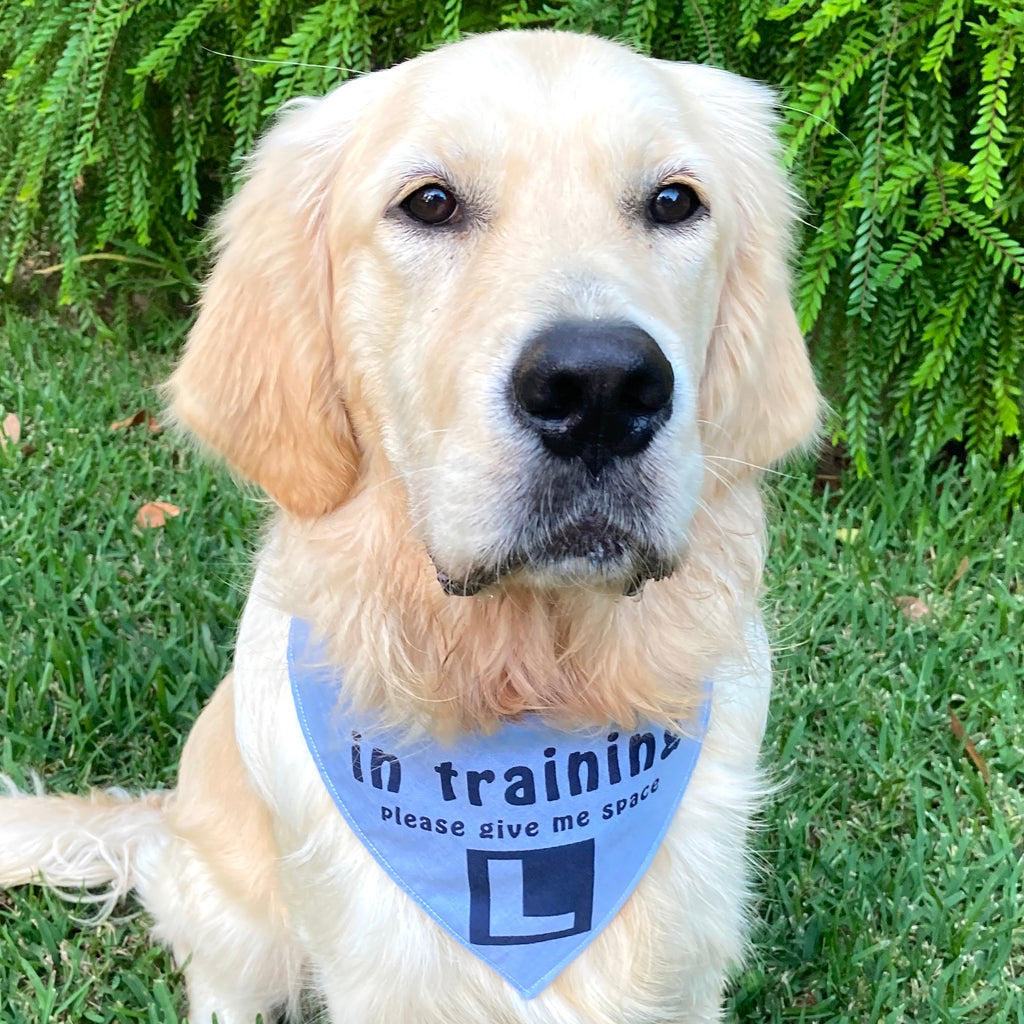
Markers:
point(504, 333)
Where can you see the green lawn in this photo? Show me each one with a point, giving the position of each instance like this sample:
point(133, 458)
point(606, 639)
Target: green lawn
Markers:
point(891, 869)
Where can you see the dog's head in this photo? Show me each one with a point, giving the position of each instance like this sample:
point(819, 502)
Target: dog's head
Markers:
point(539, 279)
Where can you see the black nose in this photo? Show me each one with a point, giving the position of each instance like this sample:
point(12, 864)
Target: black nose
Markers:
point(593, 391)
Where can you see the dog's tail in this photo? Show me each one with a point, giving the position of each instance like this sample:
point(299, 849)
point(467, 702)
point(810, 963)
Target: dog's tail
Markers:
point(84, 846)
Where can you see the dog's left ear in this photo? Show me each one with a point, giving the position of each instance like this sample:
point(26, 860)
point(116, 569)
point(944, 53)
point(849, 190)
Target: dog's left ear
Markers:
point(258, 382)
point(758, 397)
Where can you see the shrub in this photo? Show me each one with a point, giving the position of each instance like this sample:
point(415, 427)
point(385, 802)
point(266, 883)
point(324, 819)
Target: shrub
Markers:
point(902, 126)
point(899, 125)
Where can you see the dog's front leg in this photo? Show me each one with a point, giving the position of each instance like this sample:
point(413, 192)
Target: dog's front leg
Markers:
point(213, 888)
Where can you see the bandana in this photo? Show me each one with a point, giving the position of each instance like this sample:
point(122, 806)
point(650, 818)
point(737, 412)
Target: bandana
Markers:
point(522, 844)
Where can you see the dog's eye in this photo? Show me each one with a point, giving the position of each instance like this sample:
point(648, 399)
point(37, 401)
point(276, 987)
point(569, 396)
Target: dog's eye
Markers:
point(672, 204)
point(432, 205)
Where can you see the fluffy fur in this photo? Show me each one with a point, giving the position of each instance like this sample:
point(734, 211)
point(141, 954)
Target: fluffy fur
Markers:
point(355, 364)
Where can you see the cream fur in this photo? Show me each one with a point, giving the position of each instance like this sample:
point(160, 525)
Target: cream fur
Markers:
point(354, 365)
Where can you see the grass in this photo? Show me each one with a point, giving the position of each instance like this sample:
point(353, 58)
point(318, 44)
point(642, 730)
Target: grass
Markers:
point(111, 644)
point(892, 870)
point(895, 869)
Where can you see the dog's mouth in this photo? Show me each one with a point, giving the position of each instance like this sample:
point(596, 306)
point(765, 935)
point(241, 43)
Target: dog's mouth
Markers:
point(586, 551)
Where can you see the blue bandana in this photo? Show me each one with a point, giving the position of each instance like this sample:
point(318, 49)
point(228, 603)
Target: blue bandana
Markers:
point(522, 844)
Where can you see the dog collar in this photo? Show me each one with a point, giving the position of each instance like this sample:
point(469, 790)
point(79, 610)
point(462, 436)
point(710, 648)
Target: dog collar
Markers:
point(522, 844)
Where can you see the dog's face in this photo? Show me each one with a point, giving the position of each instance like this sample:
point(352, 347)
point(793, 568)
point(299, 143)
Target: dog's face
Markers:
point(536, 277)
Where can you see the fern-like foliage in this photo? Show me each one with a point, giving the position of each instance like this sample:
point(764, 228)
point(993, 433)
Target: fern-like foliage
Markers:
point(906, 134)
point(123, 119)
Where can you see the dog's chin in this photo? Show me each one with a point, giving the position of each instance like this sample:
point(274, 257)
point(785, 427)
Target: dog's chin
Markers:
point(585, 554)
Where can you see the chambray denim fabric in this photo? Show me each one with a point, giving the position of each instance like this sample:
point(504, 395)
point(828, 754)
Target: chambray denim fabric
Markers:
point(522, 844)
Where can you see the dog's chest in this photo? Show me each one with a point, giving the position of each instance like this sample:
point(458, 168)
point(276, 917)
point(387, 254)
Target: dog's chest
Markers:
point(356, 922)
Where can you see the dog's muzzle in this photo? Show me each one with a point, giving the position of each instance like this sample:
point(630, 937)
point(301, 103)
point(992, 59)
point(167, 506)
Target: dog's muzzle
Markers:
point(594, 395)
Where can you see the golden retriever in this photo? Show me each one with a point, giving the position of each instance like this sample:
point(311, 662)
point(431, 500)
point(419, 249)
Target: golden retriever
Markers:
point(504, 332)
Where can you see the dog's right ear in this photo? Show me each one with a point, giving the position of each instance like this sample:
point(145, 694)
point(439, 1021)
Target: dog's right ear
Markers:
point(258, 382)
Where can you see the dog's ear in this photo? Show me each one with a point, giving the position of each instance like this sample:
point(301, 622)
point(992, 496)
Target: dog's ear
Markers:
point(758, 395)
point(258, 383)
point(759, 400)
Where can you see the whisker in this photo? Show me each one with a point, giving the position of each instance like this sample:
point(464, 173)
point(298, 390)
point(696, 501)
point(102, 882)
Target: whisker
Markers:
point(824, 121)
point(751, 465)
point(285, 63)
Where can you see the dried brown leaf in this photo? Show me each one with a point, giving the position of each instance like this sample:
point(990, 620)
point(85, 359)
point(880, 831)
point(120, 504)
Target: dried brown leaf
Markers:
point(155, 513)
point(912, 607)
point(11, 430)
point(969, 748)
point(140, 416)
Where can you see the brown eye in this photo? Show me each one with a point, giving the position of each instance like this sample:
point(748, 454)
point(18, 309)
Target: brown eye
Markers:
point(672, 204)
point(432, 205)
